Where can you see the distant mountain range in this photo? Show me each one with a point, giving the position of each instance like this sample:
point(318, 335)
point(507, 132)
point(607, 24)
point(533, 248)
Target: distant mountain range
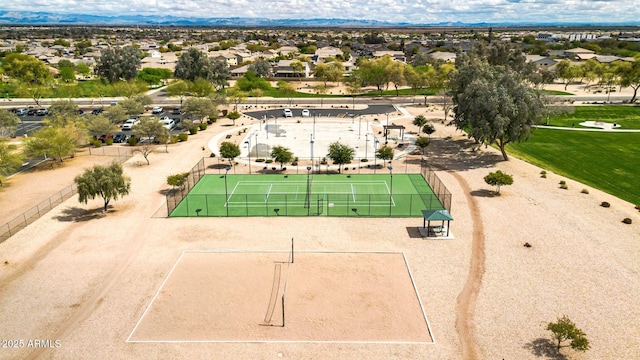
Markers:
point(46, 18)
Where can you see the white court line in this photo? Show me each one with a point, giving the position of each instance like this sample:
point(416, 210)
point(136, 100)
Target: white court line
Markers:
point(353, 191)
point(266, 196)
point(154, 297)
point(433, 342)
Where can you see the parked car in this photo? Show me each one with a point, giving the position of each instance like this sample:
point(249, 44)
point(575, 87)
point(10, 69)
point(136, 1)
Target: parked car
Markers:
point(157, 110)
point(287, 113)
point(306, 113)
point(120, 138)
point(130, 123)
point(97, 111)
point(42, 112)
point(167, 122)
point(104, 138)
point(21, 112)
point(31, 112)
point(176, 111)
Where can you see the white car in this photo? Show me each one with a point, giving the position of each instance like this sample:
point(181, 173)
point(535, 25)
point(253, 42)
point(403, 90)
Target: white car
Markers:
point(287, 113)
point(157, 110)
point(306, 113)
point(167, 123)
point(130, 123)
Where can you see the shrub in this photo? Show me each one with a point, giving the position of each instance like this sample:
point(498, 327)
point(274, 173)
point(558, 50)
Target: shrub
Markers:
point(259, 160)
point(543, 172)
point(224, 112)
point(97, 143)
point(203, 126)
point(564, 186)
point(584, 191)
point(544, 176)
point(562, 182)
point(132, 141)
point(228, 136)
point(174, 139)
point(193, 130)
point(365, 160)
point(109, 141)
point(626, 221)
point(212, 155)
point(605, 204)
point(268, 161)
point(183, 137)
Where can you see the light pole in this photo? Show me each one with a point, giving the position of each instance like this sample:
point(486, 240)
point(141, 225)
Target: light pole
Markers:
point(314, 125)
point(391, 189)
point(308, 191)
point(311, 145)
point(359, 126)
point(386, 130)
point(366, 144)
point(226, 193)
point(248, 142)
point(256, 145)
point(375, 156)
point(266, 127)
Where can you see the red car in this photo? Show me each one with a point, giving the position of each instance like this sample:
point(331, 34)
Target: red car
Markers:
point(104, 138)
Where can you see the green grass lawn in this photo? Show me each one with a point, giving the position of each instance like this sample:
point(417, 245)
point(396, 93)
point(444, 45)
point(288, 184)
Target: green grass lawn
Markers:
point(627, 116)
point(328, 195)
point(603, 160)
point(555, 92)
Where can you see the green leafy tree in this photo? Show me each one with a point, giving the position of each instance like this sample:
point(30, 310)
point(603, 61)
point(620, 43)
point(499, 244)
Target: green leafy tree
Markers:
point(229, 151)
point(115, 114)
point(193, 64)
point(261, 68)
point(385, 153)
point(131, 106)
point(99, 125)
point(340, 154)
point(63, 108)
point(287, 89)
point(33, 91)
point(10, 159)
point(53, 141)
point(117, 64)
point(107, 182)
point(201, 87)
point(565, 330)
point(67, 74)
point(147, 131)
point(177, 180)
point(422, 142)
point(236, 96)
point(233, 115)
point(428, 129)
point(26, 69)
point(220, 74)
point(179, 89)
point(8, 123)
point(83, 69)
point(568, 72)
point(395, 74)
point(281, 155)
point(498, 179)
point(201, 108)
point(419, 121)
point(493, 104)
point(129, 89)
point(629, 74)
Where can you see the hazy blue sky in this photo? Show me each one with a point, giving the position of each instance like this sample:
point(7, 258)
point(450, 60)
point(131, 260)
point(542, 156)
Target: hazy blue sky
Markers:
point(414, 11)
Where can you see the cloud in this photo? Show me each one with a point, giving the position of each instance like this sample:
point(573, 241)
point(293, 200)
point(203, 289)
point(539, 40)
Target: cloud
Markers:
point(414, 11)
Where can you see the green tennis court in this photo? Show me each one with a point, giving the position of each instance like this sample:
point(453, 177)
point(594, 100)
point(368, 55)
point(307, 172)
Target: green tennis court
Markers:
point(402, 195)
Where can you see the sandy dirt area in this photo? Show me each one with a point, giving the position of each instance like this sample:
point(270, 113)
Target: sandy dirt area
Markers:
point(82, 279)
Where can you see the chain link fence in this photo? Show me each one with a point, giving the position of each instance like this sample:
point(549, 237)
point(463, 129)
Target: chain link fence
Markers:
point(23, 220)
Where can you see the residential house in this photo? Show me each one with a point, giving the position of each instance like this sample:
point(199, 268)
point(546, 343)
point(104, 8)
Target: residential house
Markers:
point(540, 61)
point(284, 68)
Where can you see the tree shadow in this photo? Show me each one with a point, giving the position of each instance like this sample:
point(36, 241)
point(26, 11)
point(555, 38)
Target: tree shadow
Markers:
point(484, 193)
point(544, 347)
point(77, 214)
point(459, 155)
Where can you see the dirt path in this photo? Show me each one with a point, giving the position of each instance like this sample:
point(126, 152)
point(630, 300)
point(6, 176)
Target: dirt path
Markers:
point(467, 298)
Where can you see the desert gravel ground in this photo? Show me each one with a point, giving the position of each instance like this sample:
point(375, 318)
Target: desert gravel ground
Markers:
point(84, 278)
